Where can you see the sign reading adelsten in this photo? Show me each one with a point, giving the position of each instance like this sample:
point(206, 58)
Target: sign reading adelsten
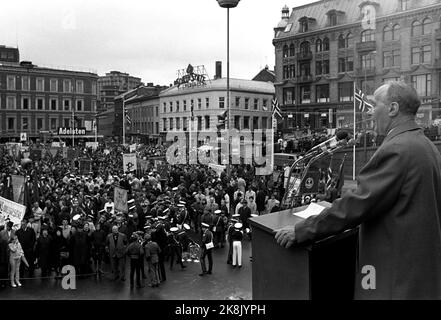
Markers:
point(62, 131)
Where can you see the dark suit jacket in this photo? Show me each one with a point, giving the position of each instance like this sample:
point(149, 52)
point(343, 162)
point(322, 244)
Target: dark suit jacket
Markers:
point(4, 234)
point(119, 250)
point(398, 207)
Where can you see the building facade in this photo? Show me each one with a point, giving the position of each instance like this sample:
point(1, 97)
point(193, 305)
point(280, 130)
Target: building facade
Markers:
point(112, 85)
point(250, 105)
point(324, 48)
point(39, 101)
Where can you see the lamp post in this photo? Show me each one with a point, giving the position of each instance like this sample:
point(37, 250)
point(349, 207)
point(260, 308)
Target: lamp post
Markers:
point(228, 4)
point(373, 53)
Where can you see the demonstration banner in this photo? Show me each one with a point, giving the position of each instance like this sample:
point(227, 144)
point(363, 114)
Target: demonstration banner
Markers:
point(129, 162)
point(12, 211)
point(143, 165)
point(132, 148)
point(120, 199)
point(18, 188)
point(93, 145)
point(217, 168)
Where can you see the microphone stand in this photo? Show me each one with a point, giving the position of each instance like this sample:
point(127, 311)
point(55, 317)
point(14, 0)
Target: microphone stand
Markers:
point(313, 156)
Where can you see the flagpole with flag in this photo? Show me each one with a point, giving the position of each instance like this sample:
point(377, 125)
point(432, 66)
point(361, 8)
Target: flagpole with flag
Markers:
point(275, 111)
point(124, 119)
point(355, 123)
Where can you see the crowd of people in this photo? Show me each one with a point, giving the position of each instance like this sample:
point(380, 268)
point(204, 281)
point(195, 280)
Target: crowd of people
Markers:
point(172, 217)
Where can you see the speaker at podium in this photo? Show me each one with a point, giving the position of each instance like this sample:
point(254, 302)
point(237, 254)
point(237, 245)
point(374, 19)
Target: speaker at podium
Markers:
point(321, 270)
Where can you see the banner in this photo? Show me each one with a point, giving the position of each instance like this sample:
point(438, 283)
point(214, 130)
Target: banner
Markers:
point(53, 151)
point(93, 145)
point(129, 162)
point(217, 168)
point(18, 188)
point(132, 147)
point(64, 153)
point(143, 164)
point(310, 183)
point(120, 200)
point(12, 211)
point(106, 151)
point(55, 144)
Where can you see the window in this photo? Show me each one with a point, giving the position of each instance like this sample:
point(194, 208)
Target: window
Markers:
point(184, 123)
point(256, 104)
point(417, 29)
point(396, 32)
point(199, 103)
point(333, 19)
point(341, 42)
point(221, 102)
point(177, 106)
point(349, 40)
point(318, 45)
point(207, 122)
point(345, 91)
point(289, 96)
point(426, 54)
point(304, 26)
point(25, 83)
point(157, 111)
point(304, 47)
point(322, 93)
point(285, 51)
point(94, 87)
point(66, 104)
point(292, 50)
point(25, 124)
point(67, 86)
point(255, 123)
point(264, 123)
point(25, 103)
point(40, 103)
point(285, 72)
point(349, 64)
point(40, 84)
point(237, 122)
point(246, 122)
point(247, 103)
point(80, 105)
point(387, 34)
point(207, 103)
point(171, 123)
point(326, 67)
point(67, 122)
point(422, 84)
point(178, 124)
point(367, 35)
point(292, 71)
point(165, 107)
point(367, 61)
point(10, 83)
point(305, 69)
point(40, 124)
point(396, 58)
point(53, 124)
point(288, 27)
point(80, 86)
point(426, 26)
point(305, 94)
point(237, 102)
point(415, 55)
point(11, 123)
point(191, 105)
point(326, 44)
point(341, 65)
point(11, 103)
point(404, 4)
point(265, 105)
point(164, 124)
point(54, 85)
point(170, 104)
point(318, 67)
point(199, 123)
point(184, 105)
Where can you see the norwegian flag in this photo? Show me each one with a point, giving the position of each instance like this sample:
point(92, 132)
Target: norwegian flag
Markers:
point(276, 108)
point(128, 119)
point(365, 105)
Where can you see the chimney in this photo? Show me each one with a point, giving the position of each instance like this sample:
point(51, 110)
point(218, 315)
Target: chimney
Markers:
point(218, 70)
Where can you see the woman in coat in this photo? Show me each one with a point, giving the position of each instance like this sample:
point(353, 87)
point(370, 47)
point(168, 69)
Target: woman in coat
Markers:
point(43, 252)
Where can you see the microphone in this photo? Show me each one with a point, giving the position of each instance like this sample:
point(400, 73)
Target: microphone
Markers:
point(338, 140)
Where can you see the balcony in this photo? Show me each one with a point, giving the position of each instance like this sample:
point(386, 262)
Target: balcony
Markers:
point(366, 46)
point(365, 72)
point(304, 56)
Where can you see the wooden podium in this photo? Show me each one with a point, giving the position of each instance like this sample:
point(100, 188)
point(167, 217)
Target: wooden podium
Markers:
point(323, 270)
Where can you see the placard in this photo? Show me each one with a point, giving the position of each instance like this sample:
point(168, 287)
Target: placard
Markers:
point(12, 211)
point(129, 162)
point(120, 199)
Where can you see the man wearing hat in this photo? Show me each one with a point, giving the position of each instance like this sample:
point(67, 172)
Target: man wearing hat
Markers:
point(218, 229)
point(175, 248)
point(245, 214)
point(236, 238)
point(27, 238)
point(206, 247)
point(116, 246)
point(135, 252)
point(230, 230)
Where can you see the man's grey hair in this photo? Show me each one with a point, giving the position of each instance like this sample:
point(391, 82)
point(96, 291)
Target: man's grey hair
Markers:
point(405, 95)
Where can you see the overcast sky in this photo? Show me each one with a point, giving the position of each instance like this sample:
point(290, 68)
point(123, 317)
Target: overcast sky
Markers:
point(146, 38)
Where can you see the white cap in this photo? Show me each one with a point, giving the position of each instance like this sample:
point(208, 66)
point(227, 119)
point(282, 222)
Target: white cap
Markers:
point(76, 217)
point(238, 225)
point(175, 189)
point(218, 211)
point(174, 229)
point(205, 225)
point(186, 226)
point(180, 205)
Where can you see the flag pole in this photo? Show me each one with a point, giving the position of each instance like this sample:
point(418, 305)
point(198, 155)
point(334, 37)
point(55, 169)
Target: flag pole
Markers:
point(353, 153)
point(124, 121)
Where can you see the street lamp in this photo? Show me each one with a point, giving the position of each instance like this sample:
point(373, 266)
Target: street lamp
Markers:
point(228, 4)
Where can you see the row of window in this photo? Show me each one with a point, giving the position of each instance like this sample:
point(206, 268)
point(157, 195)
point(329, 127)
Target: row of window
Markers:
point(40, 104)
point(143, 112)
point(145, 127)
point(390, 33)
point(170, 123)
point(391, 58)
point(421, 83)
point(175, 106)
point(40, 124)
point(68, 85)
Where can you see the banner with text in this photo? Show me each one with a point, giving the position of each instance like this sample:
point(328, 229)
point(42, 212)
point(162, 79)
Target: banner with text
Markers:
point(120, 199)
point(129, 162)
point(12, 211)
point(18, 187)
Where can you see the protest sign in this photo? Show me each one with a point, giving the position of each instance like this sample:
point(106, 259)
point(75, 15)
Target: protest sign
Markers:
point(129, 162)
point(18, 187)
point(12, 211)
point(120, 199)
